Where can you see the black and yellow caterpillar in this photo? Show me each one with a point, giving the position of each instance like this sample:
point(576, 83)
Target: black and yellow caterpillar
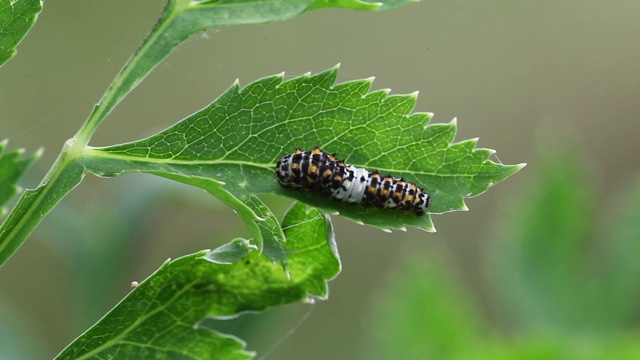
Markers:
point(320, 172)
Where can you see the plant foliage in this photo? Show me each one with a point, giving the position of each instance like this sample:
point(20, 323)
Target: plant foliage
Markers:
point(230, 149)
point(183, 292)
point(16, 19)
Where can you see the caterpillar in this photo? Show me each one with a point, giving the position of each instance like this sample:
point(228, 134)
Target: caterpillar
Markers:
point(320, 172)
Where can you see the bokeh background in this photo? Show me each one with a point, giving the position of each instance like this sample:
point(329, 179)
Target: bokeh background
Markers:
point(532, 80)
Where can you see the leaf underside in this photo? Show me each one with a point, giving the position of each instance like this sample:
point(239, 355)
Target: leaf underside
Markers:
point(161, 317)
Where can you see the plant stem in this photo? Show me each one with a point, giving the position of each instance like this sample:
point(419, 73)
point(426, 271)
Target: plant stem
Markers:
point(152, 50)
point(34, 204)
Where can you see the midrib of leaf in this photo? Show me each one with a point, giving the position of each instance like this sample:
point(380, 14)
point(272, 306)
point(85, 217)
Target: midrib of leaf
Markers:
point(95, 153)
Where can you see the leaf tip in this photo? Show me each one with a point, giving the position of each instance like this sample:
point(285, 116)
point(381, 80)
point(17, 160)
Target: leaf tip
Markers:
point(387, 230)
point(235, 87)
point(431, 229)
point(384, 91)
point(429, 117)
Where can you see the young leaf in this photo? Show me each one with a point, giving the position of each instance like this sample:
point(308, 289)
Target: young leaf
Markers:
point(12, 166)
point(236, 141)
point(16, 19)
point(161, 317)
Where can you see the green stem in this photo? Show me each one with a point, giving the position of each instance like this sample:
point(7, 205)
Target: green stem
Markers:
point(155, 47)
point(34, 204)
point(68, 170)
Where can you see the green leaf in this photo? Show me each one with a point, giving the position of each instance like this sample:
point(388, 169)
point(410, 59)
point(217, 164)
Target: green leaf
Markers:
point(230, 149)
point(236, 141)
point(161, 317)
point(12, 166)
point(16, 19)
point(231, 252)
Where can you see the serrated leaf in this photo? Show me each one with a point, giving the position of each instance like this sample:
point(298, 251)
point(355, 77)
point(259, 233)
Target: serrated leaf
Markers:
point(16, 19)
point(12, 166)
point(160, 318)
point(239, 137)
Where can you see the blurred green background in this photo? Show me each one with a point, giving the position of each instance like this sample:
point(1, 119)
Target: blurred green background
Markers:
point(498, 281)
